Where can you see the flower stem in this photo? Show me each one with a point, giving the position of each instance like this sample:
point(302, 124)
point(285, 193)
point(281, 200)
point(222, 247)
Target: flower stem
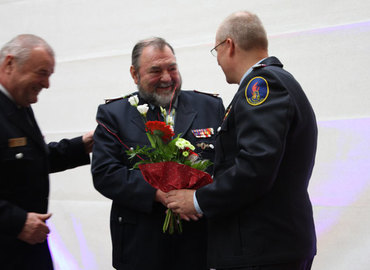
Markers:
point(167, 220)
point(172, 222)
point(178, 224)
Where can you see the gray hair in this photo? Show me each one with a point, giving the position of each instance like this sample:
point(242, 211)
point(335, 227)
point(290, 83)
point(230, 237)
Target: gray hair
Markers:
point(156, 42)
point(21, 46)
point(245, 29)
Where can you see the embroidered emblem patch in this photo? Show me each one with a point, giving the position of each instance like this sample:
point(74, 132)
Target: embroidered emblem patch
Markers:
point(203, 133)
point(257, 91)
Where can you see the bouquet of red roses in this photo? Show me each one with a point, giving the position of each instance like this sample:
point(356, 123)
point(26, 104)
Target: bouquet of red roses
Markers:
point(168, 163)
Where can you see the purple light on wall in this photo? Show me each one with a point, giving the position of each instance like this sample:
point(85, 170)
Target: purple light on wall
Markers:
point(88, 259)
point(341, 174)
point(358, 26)
point(346, 27)
point(62, 258)
point(344, 164)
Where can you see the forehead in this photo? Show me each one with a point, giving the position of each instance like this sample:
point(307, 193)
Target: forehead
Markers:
point(153, 56)
point(40, 59)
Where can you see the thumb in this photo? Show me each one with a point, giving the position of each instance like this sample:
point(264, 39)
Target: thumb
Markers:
point(44, 216)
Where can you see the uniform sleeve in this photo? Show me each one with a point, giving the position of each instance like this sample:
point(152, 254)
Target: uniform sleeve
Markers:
point(67, 154)
point(110, 168)
point(251, 145)
point(12, 219)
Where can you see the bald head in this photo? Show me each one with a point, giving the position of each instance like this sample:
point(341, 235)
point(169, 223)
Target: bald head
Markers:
point(245, 29)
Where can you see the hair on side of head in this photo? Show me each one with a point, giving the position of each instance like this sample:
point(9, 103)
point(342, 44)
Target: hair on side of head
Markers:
point(156, 42)
point(21, 46)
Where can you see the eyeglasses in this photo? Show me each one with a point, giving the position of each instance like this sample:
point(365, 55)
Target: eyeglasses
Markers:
point(214, 51)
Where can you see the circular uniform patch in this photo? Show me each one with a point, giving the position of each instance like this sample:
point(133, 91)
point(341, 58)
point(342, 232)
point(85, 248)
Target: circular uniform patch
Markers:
point(257, 91)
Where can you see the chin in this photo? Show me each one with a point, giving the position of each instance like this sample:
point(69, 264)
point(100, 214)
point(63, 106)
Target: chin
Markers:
point(231, 81)
point(228, 80)
point(163, 101)
point(32, 101)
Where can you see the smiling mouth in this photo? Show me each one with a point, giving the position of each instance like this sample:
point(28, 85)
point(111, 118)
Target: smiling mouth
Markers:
point(37, 89)
point(165, 87)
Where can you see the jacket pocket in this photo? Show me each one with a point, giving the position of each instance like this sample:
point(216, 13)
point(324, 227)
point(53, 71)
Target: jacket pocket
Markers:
point(123, 226)
point(15, 166)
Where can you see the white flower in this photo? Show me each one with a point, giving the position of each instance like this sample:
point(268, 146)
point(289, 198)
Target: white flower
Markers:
point(169, 120)
point(163, 111)
point(143, 109)
point(182, 144)
point(134, 100)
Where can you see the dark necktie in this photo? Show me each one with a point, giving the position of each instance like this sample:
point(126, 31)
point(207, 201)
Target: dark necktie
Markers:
point(156, 114)
point(28, 115)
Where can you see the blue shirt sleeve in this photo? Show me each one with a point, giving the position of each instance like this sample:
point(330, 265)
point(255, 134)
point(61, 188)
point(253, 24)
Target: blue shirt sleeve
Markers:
point(196, 205)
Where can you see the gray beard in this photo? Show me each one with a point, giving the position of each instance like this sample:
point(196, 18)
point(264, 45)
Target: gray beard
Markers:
point(158, 100)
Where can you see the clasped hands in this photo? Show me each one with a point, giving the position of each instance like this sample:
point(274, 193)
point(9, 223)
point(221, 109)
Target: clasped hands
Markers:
point(179, 201)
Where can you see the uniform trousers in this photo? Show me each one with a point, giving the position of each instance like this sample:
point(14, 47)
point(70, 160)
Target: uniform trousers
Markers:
point(299, 265)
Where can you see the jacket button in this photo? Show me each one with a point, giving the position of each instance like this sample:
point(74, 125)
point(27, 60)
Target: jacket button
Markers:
point(120, 219)
point(218, 129)
point(19, 156)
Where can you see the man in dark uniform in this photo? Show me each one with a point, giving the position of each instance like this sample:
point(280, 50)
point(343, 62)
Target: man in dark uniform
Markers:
point(26, 63)
point(258, 208)
point(138, 210)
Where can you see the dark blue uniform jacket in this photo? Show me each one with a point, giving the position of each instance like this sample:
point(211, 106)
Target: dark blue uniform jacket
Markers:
point(25, 164)
point(258, 207)
point(136, 220)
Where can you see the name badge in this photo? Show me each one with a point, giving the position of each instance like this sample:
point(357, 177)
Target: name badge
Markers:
point(17, 142)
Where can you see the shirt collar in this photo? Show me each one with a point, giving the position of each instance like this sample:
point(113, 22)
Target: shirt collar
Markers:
point(3, 90)
point(250, 70)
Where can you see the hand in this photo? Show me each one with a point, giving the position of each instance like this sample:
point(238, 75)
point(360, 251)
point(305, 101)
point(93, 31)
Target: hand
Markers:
point(190, 217)
point(160, 196)
point(88, 141)
point(181, 202)
point(35, 230)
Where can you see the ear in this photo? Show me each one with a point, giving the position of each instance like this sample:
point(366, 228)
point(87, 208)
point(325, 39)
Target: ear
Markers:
point(8, 64)
point(134, 74)
point(231, 47)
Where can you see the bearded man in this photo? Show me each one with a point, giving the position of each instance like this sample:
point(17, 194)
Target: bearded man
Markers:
point(138, 210)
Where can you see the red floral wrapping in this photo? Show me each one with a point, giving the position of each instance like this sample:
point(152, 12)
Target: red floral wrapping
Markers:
point(170, 175)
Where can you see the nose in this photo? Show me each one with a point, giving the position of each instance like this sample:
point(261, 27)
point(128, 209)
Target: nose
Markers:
point(45, 82)
point(165, 77)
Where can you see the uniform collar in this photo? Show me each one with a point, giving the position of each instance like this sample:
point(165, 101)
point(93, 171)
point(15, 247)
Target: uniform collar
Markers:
point(6, 93)
point(250, 70)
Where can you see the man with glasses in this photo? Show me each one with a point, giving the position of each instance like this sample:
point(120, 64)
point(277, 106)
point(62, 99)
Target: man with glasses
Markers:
point(258, 208)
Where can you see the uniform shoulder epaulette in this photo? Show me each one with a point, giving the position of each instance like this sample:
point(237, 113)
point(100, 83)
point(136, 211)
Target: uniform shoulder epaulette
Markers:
point(208, 94)
point(259, 66)
point(109, 100)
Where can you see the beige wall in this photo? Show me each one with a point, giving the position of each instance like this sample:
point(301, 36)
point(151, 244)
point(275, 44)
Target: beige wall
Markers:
point(325, 44)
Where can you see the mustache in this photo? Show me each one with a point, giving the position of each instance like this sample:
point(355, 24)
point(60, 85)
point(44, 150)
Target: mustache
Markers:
point(165, 85)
